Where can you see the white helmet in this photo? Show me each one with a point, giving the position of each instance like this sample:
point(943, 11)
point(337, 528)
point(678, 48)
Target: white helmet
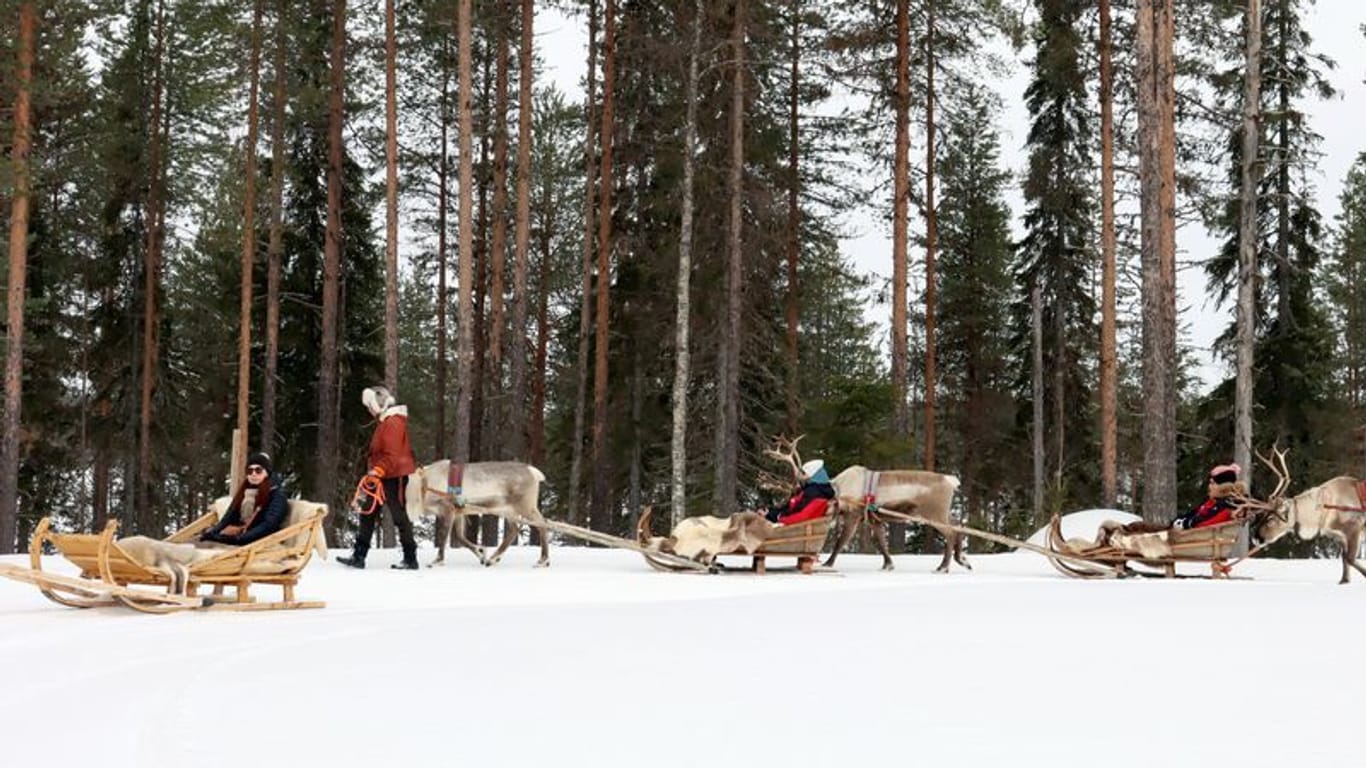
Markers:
point(376, 399)
point(812, 467)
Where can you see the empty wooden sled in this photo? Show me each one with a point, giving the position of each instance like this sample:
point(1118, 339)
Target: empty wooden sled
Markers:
point(1162, 550)
point(109, 572)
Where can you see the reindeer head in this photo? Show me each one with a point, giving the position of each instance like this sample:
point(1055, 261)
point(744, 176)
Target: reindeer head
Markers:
point(1270, 518)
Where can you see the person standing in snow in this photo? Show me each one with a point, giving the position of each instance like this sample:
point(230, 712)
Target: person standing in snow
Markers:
point(811, 499)
point(391, 460)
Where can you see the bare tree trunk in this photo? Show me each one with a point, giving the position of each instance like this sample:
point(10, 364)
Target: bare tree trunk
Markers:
point(600, 506)
point(901, 418)
point(728, 375)
point(794, 223)
point(328, 377)
point(99, 491)
point(1157, 176)
point(464, 223)
point(277, 235)
point(17, 285)
point(585, 300)
point(391, 201)
point(442, 288)
point(538, 385)
point(678, 506)
point(150, 287)
point(1108, 359)
point(931, 232)
point(498, 249)
point(1036, 323)
point(479, 383)
point(1250, 177)
point(248, 241)
point(516, 445)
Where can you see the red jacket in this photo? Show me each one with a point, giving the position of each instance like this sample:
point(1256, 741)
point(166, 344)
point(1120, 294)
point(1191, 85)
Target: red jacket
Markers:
point(390, 450)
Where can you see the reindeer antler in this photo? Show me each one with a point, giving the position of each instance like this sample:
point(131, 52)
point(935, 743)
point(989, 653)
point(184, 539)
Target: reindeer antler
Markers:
point(1282, 473)
point(786, 451)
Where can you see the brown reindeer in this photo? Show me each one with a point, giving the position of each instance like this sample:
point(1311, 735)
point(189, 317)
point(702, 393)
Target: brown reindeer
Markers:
point(1336, 508)
point(486, 485)
point(860, 492)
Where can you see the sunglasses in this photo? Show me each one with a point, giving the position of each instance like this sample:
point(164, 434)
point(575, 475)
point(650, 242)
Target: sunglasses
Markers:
point(254, 470)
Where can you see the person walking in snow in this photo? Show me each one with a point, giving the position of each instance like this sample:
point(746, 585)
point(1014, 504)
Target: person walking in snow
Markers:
point(390, 460)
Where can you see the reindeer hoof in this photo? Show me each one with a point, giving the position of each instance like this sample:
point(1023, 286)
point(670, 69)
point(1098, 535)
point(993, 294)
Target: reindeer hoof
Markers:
point(888, 566)
point(964, 563)
point(542, 564)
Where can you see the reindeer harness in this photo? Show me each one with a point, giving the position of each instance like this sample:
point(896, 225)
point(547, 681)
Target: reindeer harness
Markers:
point(1361, 500)
point(454, 485)
point(870, 491)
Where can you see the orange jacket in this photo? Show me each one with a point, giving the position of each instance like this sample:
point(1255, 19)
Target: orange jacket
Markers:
point(390, 450)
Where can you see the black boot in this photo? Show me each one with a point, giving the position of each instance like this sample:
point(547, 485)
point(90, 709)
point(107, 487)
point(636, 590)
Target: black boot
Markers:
point(355, 561)
point(408, 564)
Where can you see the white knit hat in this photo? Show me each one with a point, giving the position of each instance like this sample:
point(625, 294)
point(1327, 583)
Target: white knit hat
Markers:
point(376, 399)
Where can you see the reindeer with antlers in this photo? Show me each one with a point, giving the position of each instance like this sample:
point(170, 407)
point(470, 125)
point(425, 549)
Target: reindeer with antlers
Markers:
point(1336, 508)
point(860, 492)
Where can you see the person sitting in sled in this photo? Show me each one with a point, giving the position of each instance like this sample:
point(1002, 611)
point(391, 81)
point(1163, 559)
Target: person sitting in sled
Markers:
point(1221, 504)
point(258, 509)
point(810, 501)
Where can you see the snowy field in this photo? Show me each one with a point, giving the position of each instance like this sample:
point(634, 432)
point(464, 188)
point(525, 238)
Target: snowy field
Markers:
point(599, 661)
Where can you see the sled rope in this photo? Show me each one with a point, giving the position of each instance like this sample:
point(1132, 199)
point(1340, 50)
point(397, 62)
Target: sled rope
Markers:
point(369, 487)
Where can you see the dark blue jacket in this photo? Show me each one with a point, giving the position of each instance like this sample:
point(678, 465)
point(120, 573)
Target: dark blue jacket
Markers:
point(270, 516)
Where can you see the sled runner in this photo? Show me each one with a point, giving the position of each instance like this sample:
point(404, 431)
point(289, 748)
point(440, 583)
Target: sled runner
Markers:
point(109, 571)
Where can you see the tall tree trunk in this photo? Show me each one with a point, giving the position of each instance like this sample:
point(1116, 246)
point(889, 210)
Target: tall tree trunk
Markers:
point(586, 288)
point(497, 396)
point(442, 287)
point(479, 385)
point(901, 418)
point(600, 507)
point(328, 377)
point(794, 223)
point(248, 245)
point(1036, 324)
point(1250, 178)
point(464, 224)
point(1157, 181)
point(516, 444)
point(728, 375)
point(678, 497)
point(931, 232)
point(17, 285)
point(538, 385)
point(1108, 368)
point(391, 201)
point(277, 234)
point(151, 282)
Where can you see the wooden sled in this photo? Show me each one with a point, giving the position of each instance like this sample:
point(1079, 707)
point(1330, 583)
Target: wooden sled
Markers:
point(108, 571)
point(802, 541)
point(1214, 545)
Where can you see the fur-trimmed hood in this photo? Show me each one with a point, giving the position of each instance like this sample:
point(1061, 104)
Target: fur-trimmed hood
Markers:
point(1225, 490)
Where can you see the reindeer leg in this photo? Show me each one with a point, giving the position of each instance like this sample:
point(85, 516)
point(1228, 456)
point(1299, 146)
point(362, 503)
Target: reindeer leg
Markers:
point(1349, 555)
point(511, 530)
point(443, 532)
point(958, 555)
point(544, 534)
point(948, 551)
point(879, 530)
point(458, 533)
point(849, 523)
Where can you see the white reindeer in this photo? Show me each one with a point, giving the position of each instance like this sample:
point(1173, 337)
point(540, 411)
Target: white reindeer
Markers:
point(485, 486)
point(860, 492)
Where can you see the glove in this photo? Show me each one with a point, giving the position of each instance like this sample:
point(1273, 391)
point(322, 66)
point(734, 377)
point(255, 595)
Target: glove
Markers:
point(376, 472)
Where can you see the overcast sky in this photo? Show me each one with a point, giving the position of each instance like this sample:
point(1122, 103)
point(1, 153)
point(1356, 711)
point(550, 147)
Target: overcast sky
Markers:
point(1336, 28)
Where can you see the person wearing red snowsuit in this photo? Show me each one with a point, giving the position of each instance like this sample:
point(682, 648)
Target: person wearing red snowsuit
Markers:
point(810, 501)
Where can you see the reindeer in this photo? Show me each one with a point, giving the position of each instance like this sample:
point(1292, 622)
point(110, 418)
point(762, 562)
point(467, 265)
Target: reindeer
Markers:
point(486, 486)
point(860, 492)
point(1336, 508)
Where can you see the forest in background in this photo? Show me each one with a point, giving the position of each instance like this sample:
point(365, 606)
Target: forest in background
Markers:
point(560, 253)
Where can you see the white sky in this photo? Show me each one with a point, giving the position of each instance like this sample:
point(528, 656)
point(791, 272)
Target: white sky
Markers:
point(1336, 28)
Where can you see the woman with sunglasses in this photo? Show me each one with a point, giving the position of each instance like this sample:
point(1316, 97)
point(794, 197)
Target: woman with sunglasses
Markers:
point(258, 508)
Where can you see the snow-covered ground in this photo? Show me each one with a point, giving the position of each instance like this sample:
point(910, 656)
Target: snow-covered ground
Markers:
point(599, 661)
